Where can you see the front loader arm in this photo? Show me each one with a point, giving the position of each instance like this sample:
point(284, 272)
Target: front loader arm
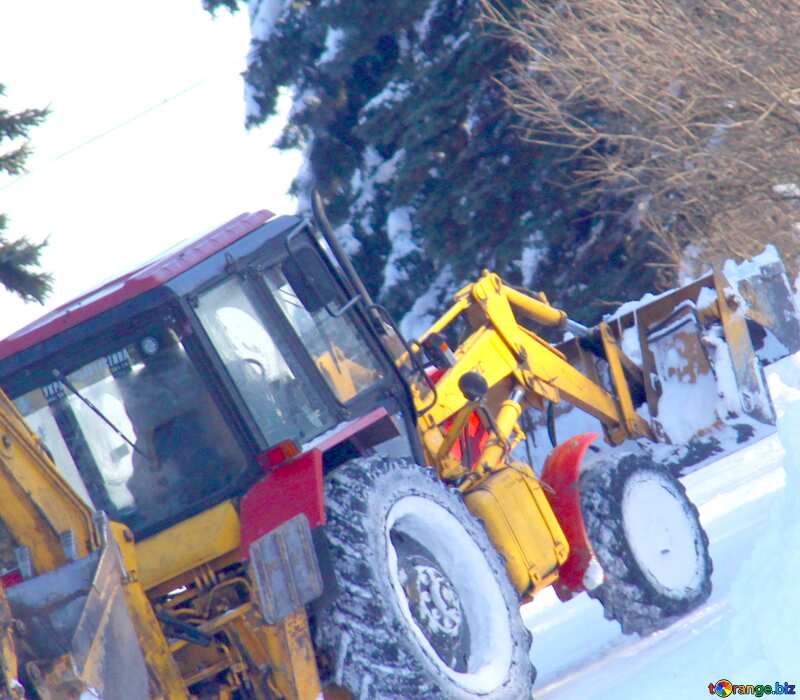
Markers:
point(501, 368)
point(508, 355)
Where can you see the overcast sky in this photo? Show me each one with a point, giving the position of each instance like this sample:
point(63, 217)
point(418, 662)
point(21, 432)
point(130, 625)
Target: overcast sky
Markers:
point(146, 143)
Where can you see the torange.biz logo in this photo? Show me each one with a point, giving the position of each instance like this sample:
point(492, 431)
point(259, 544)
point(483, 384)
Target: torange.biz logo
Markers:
point(723, 688)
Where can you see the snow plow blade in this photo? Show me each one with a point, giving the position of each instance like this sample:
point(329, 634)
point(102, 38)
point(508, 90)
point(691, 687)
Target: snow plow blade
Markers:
point(693, 357)
point(74, 636)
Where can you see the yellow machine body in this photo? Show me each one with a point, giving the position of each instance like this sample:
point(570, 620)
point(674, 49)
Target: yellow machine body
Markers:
point(125, 581)
point(519, 370)
point(521, 524)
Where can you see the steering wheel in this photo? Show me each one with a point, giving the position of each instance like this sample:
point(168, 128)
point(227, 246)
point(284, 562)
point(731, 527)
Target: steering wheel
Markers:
point(250, 375)
point(251, 378)
point(284, 394)
point(259, 367)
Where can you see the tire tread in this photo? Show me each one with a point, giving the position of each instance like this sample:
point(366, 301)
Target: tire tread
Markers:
point(378, 648)
point(626, 595)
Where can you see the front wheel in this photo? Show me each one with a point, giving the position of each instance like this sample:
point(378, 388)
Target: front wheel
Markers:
point(424, 609)
point(647, 537)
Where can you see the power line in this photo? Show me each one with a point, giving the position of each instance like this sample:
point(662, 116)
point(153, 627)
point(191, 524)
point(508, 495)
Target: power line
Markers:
point(111, 130)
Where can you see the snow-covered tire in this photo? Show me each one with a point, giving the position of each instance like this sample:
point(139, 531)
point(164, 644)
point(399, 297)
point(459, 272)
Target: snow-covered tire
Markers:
point(647, 537)
point(424, 607)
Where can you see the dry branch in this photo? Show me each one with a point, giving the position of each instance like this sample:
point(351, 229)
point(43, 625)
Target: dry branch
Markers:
point(688, 110)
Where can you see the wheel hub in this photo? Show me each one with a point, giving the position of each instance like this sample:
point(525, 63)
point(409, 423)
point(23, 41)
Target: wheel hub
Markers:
point(661, 535)
point(436, 601)
point(433, 602)
point(444, 586)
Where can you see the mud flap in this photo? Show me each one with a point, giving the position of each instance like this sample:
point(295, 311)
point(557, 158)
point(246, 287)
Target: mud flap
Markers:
point(560, 477)
point(75, 633)
point(287, 574)
point(286, 569)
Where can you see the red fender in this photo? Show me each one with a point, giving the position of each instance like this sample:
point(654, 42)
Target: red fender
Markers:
point(561, 472)
point(294, 482)
point(292, 488)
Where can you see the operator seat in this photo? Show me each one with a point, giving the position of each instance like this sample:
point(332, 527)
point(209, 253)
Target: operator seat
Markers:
point(179, 452)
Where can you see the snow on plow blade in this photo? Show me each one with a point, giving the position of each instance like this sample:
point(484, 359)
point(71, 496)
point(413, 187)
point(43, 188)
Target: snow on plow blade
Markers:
point(694, 356)
point(74, 631)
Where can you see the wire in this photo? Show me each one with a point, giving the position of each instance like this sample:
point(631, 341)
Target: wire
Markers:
point(67, 383)
point(121, 125)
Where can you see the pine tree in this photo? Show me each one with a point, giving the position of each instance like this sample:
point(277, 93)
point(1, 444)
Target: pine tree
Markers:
point(423, 166)
point(19, 257)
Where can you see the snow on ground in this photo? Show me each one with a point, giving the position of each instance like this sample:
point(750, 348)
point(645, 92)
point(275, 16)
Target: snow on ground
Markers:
point(748, 632)
point(760, 639)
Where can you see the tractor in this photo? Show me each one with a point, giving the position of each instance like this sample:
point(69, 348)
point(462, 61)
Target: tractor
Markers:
point(226, 474)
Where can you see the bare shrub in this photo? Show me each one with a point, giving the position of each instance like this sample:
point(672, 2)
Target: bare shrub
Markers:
point(685, 111)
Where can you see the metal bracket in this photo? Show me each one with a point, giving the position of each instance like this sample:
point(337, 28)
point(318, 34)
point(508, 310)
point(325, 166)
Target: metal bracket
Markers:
point(286, 569)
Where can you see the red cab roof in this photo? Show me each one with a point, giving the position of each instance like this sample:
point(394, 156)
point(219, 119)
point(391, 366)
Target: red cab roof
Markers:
point(165, 267)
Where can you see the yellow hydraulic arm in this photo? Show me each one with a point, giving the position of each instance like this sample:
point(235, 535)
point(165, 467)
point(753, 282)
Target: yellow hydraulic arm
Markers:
point(494, 373)
point(40, 510)
point(507, 356)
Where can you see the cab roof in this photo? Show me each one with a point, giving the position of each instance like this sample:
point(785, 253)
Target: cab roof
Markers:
point(148, 276)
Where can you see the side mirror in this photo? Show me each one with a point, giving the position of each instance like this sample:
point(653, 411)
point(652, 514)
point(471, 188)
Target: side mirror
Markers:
point(310, 279)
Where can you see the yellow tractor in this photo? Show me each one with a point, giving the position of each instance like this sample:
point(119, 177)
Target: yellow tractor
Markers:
point(227, 475)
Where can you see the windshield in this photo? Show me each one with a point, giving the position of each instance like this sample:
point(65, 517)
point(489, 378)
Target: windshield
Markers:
point(338, 349)
point(269, 378)
point(169, 448)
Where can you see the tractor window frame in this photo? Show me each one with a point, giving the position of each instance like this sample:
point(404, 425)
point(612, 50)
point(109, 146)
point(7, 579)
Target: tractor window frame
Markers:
point(343, 355)
point(247, 261)
point(275, 325)
point(265, 259)
point(103, 340)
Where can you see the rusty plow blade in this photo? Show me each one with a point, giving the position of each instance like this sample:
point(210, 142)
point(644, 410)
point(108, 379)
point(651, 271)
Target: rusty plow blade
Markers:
point(73, 632)
point(695, 356)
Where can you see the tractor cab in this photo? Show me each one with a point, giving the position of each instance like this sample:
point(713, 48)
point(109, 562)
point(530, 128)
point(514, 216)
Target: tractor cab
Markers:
point(159, 394)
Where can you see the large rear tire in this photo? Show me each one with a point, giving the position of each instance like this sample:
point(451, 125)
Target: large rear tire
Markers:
point(424, 608)
point(647, 537)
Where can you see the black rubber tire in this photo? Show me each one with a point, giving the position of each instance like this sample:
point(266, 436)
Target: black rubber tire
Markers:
point(629, 593)
point(365, 642)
